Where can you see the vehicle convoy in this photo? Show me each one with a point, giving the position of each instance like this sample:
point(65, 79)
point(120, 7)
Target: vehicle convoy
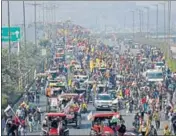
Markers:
point(109, 80)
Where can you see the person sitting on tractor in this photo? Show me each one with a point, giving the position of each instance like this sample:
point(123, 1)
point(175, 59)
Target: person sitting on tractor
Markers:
point(54, 127)
point(48, 91)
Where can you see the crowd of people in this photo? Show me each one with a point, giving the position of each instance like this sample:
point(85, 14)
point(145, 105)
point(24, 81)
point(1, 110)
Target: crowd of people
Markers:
point(150, 101)
point(27, 117)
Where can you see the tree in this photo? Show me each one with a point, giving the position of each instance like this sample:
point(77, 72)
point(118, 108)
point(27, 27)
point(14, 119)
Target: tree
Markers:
point(29, 58)
point(44, 43)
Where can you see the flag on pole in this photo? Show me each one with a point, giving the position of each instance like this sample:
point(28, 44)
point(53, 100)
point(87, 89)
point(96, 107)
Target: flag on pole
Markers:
point(90, 115)
point(8, 108)
point(9, 111)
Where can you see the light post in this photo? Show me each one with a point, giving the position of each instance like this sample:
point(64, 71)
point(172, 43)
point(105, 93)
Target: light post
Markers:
point(140, 20)
point(148, 20)
point(9, 48)
point(24, 25)
point(124, 23)
point(164, 6)
point(156, 5)
point(169, 26)
point(35, 19)
point(133, 21)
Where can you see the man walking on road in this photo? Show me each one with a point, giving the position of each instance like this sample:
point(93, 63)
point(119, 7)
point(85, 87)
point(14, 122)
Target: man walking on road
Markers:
point(37, 97)
point(37, 118)
point(156, 117)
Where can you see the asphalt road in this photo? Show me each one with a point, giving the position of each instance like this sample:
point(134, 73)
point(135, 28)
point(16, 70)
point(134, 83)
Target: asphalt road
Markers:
point(85, 128)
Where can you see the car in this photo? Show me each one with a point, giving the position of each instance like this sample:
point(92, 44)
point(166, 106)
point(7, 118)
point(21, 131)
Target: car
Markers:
point(154, 75)
point(103, 101)
point(105, 118)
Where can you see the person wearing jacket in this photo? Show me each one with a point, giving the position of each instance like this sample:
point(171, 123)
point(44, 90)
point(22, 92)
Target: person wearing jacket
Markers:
point(167, 131)
point(144, 129)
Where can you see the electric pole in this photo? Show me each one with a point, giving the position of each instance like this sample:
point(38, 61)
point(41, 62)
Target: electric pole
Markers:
point(133, 22)
point(35, 20)
point(148, 20)
point(125, 23)
point(169, 26)
point(156, 21)
point(24, 24)
point(140, 20)
point(164, 6)
point(43, 14)
point(9, 49)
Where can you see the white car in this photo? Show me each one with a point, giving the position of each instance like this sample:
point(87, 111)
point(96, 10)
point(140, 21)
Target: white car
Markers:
point(154, 75)
point(103, 101)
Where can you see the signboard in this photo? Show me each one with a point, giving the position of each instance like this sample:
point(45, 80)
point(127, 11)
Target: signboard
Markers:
point(14, 34)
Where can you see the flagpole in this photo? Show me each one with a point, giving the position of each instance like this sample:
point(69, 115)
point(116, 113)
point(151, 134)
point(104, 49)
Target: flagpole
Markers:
point(13, 113)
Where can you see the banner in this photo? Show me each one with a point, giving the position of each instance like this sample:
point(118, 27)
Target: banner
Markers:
point(91, 65)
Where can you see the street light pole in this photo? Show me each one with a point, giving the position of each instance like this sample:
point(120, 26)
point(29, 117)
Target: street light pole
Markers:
point(133, 22)
point(24, 24)
point(164, 6)
point(35, 19)
point(124, 22)
point(9, 49)
point(169, 26)
point(148, 19)
point(156, 21)
point(165, 21)
point(140, 22)
point(43, 10)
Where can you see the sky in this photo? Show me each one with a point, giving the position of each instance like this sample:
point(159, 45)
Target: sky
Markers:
point(89, 14)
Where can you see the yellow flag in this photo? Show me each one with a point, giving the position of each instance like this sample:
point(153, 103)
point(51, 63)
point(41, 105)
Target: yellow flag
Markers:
point(91, 65)
point(92, 49)
point(65, 32)
point(69, 82)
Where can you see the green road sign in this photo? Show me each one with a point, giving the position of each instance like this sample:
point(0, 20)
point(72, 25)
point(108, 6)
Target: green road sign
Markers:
point(14, 34)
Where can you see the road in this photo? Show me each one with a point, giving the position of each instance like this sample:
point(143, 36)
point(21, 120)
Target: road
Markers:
point(85, 128)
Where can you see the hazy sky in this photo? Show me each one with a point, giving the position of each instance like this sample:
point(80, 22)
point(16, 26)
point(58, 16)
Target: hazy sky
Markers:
point(89, 14)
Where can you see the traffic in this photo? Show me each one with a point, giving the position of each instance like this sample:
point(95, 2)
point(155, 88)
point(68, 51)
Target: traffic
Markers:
point(92, 88)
